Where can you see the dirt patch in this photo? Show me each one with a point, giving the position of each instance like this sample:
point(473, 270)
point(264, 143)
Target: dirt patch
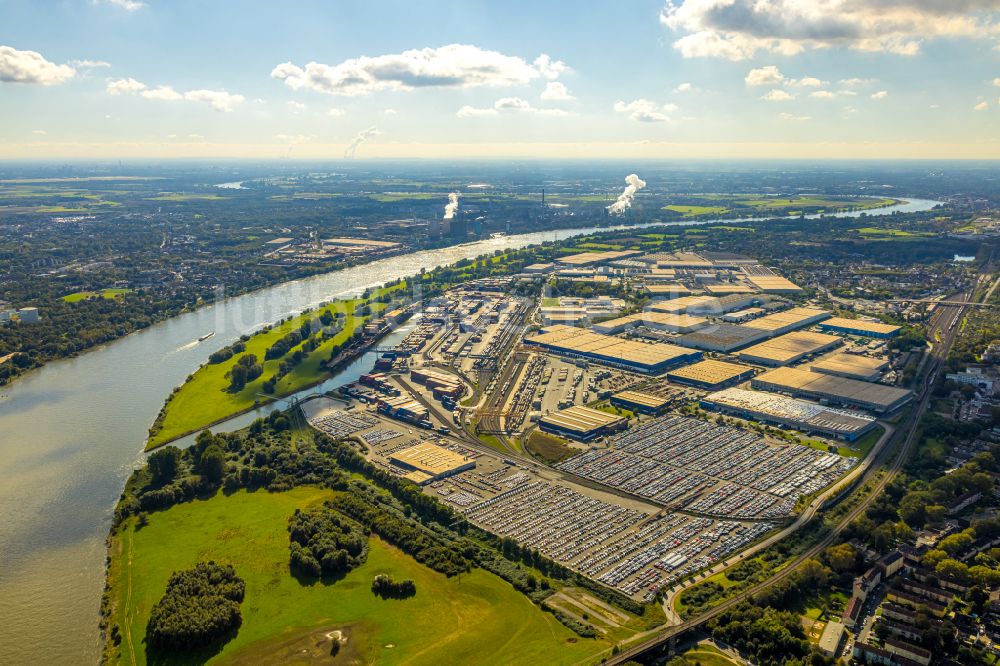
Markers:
point(330, 646)
point(548, 448)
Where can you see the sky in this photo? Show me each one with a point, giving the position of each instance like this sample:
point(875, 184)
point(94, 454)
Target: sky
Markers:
point(667, 79)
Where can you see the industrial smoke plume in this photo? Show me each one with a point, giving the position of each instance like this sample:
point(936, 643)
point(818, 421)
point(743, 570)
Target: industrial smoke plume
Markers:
point(361, 137)
point(452, 206)
point(632, 185)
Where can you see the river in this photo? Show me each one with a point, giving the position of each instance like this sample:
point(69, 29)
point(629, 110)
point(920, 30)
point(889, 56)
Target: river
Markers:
point(72, 431)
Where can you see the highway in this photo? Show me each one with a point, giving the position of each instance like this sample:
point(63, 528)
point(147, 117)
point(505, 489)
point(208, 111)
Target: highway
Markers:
point(890, 456)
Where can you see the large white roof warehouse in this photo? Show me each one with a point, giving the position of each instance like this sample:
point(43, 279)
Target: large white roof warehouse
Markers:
point(843, 391)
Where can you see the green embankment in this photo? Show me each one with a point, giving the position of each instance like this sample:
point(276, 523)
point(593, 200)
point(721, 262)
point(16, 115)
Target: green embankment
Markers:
point(205, 398)
point(107, 293)
point(474, 618)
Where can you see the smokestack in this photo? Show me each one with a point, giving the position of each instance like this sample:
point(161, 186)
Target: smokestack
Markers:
point(359, 139)
point(452, 206)
point(632, 185)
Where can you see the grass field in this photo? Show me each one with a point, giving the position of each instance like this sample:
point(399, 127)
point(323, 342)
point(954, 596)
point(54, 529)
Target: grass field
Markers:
point(707, 654)
point(204, 398)
point(474, 618)
point(186, 196)
point(107, 293)
point(691, 211)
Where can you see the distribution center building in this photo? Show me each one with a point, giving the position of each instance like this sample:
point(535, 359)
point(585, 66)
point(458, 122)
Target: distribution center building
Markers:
point(581, 423)
point(428, 462)
point(643, 403)
point(659, 321)
point(852, 366)
point(648, 358)
point(789, 348)
point(711, 374)
point(840, 390)
point(722, 338)
point(788, 320)
point(781, 410)
point(868, 329)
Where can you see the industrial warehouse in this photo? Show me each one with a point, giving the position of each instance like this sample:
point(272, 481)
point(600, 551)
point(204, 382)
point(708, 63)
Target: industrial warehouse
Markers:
point(430, 462)
point(648, 358)
point(789, 348)
point(840, 390)
point(868, 329)
point(784, 411)
point(643, 403)
point(788, 320)
point(711, 374)
point(581, 423)
point(722, 338)
point(659, 321)
point(852, 366)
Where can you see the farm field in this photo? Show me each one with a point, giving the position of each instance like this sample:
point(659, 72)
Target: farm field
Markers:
point(476, 615)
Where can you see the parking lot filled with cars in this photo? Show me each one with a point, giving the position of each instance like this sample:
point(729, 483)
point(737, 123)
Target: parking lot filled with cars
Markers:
point(720, 471)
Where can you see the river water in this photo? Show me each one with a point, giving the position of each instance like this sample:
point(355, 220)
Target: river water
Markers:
point(71, 433)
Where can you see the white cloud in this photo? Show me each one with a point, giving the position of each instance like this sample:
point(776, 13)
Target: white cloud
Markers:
point(389, 112)
point(807, 82)
point(792, 116)
point(89, 64)
point(196, 137)
point(127, 5)
point(557, 92)
point(296, 106)
point(336, 113)
point(30, 67)
point(996, 81)
point(738, 29)
point(850, 109)
point(881, 94)
point(822, 94)
point(847, 92)
point(509, 104)
point(220, 100)
point(982, 106)
point(124, 86)
point(684, 88)
point(39, 132)
point(474, 112)
point(764, 76)
point(645, 111)
point(778, 95)
point(162, 93)
point(549, 68)
point(856, 82)
point(454, 65)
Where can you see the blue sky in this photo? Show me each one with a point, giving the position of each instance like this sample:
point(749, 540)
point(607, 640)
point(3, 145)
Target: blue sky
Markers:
point(644, 78)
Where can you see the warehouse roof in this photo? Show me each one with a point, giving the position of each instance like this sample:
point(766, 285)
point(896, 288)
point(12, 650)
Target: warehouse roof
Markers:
point(666, 319)
point(673, 290)
point(710, 372)
point(682, 304)
point(850, 365)
point(589, 258)
point(581, 419)
point(721, 337)
point(429, 458)
point(729, 288)
point(789, 347)
point(808, 414)
point(581, 341)
point(773, 283)
point(861, 325)
point(793, 318)
point(849, 390)
point(644, 399)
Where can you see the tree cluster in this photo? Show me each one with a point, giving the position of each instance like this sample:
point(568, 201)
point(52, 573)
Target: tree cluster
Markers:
point(325, 542)
point(200, 606)
point(385, 587)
